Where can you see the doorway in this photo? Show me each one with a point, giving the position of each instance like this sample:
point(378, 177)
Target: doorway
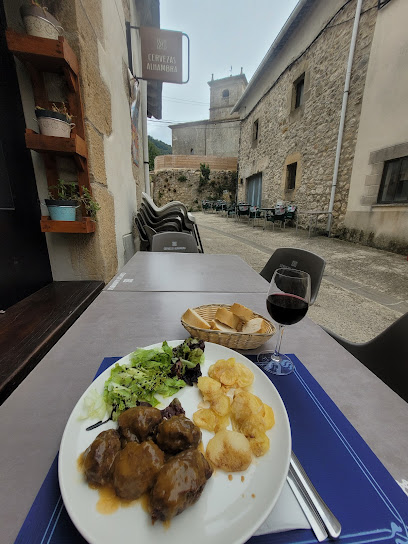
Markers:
point(24, 261)
point(254, 190)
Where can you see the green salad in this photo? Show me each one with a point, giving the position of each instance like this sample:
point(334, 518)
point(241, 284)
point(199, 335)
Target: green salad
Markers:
point(158, 371)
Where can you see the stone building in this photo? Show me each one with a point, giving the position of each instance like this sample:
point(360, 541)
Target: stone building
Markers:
point(213, 142)
point(96, 32)
point(218, 135)
point(304, 140)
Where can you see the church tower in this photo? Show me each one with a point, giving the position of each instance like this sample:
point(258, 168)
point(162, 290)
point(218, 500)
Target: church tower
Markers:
point(224, 94)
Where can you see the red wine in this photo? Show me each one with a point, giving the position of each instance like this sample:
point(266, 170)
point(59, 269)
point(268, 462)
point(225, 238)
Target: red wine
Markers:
point(286, 309)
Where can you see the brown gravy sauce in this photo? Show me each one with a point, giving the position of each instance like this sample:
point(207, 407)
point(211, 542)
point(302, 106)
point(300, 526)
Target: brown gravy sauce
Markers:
point(109, 502)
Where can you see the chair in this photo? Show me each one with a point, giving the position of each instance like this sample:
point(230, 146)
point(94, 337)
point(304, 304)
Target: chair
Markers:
point(386, 355)
point(173, 212)
point(300, 259)
point(175, 242)
point(243, 210)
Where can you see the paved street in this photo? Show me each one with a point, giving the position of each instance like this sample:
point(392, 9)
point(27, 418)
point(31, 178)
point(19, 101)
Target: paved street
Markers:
point(363, 291)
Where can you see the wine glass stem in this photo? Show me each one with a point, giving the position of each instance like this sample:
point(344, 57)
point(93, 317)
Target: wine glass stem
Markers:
point(278, 343)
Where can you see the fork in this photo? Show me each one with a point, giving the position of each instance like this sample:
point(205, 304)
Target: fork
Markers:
point(322, 520)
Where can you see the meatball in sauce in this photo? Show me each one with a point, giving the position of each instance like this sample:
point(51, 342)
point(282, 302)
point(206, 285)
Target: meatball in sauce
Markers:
point(177, 434)
point(136, 467)
point(99, 457)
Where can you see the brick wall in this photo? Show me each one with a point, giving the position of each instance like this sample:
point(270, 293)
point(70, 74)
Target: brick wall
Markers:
point(164, 162)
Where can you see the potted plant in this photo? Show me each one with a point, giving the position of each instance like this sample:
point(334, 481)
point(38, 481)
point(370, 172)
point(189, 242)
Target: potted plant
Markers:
point(65, 199)
point(54, 122)
point(39, 22)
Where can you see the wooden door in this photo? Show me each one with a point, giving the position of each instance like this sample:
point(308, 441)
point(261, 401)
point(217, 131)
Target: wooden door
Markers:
point(24, 261)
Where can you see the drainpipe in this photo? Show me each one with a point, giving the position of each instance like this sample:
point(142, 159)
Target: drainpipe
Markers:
point(145, 140)
point(343, 110)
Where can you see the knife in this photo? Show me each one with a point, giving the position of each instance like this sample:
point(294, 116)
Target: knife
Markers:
point(330, 522)
point(307, 506)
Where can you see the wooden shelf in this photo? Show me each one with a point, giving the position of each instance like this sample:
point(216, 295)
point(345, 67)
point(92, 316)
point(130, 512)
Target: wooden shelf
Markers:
point(45, 54)
point(53, 144)
point(41, 55)
point(86, 226)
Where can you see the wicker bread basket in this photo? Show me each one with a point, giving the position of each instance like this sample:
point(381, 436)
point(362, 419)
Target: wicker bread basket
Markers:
point(233, 340)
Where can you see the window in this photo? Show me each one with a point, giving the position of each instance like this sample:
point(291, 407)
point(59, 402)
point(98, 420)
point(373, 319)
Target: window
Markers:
point(299, 87)
point(225, 94)
point(394, 183)
point(255, 130)
point(291, 176)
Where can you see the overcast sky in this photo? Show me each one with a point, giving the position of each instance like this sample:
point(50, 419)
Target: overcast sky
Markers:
point(223, 34)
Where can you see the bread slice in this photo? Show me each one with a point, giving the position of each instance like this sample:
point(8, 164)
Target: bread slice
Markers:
point(192, 318)
point(244, 313)
point(255, 326)
point(218, 326)
point(227, 317)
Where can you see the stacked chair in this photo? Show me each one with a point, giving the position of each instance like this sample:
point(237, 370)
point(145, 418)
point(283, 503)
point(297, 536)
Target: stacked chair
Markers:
point(172, 218)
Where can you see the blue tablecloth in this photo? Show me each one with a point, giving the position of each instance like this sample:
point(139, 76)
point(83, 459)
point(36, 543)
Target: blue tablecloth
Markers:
point(366, 499)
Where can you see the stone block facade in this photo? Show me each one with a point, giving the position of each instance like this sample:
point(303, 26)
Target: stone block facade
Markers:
point(308, 134)
point(182, 184)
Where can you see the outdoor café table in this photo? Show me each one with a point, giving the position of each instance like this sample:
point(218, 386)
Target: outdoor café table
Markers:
point(313, 217)
point(33, 418)
point(265, 212)
point(150, 271)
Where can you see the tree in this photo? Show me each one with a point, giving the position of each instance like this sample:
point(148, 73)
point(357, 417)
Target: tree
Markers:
point(157, 147)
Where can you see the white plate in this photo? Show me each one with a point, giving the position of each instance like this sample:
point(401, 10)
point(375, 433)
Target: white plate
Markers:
point(228, 511)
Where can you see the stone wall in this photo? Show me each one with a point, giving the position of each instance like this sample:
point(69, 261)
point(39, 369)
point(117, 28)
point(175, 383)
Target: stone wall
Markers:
point(206, 138)
point(182, 185)
point(308, 134)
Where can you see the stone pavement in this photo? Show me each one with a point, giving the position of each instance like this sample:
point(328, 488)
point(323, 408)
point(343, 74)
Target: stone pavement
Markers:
point(363, 290)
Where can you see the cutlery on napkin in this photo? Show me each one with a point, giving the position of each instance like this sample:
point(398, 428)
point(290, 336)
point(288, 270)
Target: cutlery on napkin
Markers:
point(322, 520)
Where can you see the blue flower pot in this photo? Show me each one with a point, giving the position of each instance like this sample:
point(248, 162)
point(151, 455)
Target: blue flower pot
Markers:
point(64, 211)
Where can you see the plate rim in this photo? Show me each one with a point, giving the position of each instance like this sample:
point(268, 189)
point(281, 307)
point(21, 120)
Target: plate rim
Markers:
point(245, 535)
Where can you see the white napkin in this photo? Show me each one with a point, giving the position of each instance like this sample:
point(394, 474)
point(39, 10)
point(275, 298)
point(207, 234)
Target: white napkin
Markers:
point(286, 515)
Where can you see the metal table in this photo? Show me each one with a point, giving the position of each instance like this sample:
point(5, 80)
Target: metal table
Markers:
point(147, 271)
point(33, 418)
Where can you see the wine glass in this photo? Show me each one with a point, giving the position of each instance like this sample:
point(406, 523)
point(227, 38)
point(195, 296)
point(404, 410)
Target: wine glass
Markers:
point(287, 302)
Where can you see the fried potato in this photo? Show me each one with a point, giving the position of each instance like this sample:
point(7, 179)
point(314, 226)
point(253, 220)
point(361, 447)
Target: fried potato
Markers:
point(269, 417)
point(245, 376)
point(229, 451)
point(206, 419)
point(228, 377)
point(244, 404)
point(221, 366)
point(222, 423)
point(209, 387)
point(252, 425)
point(259, 444)
point(221, 405)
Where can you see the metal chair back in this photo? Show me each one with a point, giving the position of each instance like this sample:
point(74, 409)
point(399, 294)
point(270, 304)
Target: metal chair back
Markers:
point(300, 259)
point(174, 242)
point(386, 355)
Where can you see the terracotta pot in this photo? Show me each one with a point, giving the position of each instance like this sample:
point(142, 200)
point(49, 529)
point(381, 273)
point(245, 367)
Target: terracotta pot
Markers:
point(38, 22)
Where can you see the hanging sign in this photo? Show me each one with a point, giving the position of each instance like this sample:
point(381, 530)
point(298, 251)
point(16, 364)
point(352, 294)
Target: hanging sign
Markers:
point(162, 57)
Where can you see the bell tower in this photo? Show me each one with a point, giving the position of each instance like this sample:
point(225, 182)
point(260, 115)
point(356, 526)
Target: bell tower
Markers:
point(224, 94)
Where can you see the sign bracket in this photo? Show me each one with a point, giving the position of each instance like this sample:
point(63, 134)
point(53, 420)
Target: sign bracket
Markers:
point(130, 27)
